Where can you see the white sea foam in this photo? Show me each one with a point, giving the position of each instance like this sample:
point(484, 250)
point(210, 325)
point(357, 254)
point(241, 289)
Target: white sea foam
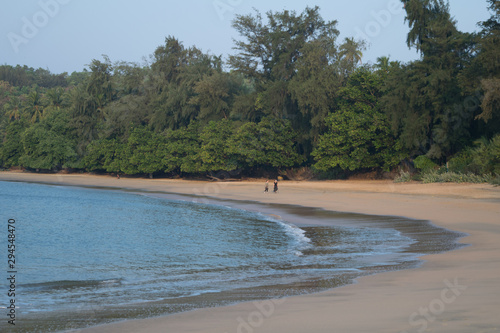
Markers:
point(301, 241)
point(298, 234)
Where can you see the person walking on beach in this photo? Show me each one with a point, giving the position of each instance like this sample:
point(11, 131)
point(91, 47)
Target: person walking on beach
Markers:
point(266, 189)
point(275, 186)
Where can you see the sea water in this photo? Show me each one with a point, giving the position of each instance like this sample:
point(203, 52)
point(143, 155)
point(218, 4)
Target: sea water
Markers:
point(80, 250)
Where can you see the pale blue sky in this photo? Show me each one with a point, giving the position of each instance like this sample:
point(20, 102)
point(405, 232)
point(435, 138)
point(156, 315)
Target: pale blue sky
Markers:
point(65, 35)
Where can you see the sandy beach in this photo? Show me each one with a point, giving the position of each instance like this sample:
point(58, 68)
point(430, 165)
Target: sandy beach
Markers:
point(456, 291)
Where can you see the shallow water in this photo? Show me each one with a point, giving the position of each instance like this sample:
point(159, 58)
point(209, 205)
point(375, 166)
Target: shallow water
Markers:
point(87, 256)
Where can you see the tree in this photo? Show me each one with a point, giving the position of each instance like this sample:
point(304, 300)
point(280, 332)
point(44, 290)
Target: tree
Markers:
point(270, 143)
point(424, 18)
point(55, 96)
point(383, 64)
point(16, 76)
point(183, 149)
point(24, 76)
point(215, 94)
point(105, 155)
point(176, 71)
point(77, 78)
point(491, 101)
point(128, 78)
point(485, 67)
point(215, 151)
point(99, 85)
point(88, 101)
point(123, 115)
point(50, 143)
point(84, 117)
point(11, 148)
point(314, 88)
point(277, 54)
point(45, 149)
point(13, 108)
point(358, 134)
point(271, 51)
point(169, 60)
point(351, 53)
point(34, 105)
point(144, 152)
point(424, 99)
point(486, 155)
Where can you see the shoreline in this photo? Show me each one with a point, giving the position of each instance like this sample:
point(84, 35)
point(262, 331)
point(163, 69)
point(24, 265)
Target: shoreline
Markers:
point(458, 289)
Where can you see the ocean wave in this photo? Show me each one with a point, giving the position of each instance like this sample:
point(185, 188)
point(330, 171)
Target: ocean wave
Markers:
point(300, 240)
point(71, 284)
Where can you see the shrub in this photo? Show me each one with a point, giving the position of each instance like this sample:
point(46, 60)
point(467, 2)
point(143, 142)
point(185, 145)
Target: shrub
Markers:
point(462, 162)
point(404, 177)
point(495, 180)
point(424, 163)
point(483, 159)
point(431, 176)
point(486, 155)
point(434, 176)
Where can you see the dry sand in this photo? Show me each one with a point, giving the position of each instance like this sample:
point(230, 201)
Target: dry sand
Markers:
point(456, 291)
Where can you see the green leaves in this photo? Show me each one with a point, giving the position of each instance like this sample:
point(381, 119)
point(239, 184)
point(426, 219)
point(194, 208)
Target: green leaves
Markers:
point(45, 149)
point(105, 155)
point(219, 146)
point(144, 152)
point(215, 152)
point(12, 147)
point(271, 142)
point(186, 84)
point(182, 150)
point(358, 135)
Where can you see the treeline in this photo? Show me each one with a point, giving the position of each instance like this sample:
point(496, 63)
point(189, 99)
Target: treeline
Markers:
point(291, 96)
point(27, 77)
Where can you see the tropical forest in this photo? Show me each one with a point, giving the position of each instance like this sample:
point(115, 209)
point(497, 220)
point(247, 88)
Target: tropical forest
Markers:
point(294, 100)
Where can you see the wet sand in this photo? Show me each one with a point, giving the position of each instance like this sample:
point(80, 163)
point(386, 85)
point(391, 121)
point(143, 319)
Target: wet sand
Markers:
point(455, 291)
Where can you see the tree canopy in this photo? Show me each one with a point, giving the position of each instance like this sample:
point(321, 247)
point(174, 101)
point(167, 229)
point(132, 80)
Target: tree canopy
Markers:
point(292, 95)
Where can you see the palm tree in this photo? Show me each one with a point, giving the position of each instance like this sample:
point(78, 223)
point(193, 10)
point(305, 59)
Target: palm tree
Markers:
point(35, 106)
point(13, 108)
point(55, 96)
point(351, 51)
point(98, 102)
point(383, 64)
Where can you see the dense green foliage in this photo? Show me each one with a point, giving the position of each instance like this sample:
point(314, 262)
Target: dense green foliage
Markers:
point(424, 163)
point(291, 96)
point(358, 135)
